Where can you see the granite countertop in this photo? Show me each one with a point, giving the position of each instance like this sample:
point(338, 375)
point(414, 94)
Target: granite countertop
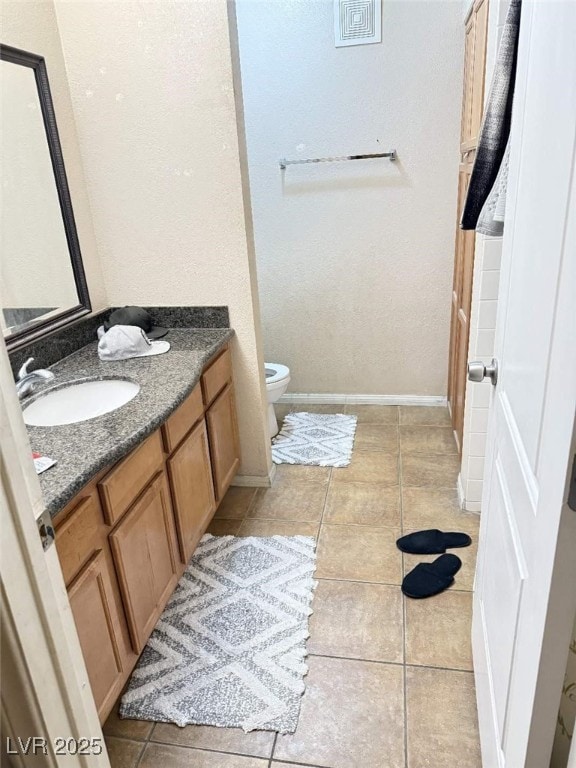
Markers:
point(84, 449)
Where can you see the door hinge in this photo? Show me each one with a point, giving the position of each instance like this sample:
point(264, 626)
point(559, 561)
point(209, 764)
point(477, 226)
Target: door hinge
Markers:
point(572, 489)
point(46, 530)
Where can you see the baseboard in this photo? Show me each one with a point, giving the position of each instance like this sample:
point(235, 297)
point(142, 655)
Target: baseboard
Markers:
point(466, 506)
point(255, 481)
point(321, 399)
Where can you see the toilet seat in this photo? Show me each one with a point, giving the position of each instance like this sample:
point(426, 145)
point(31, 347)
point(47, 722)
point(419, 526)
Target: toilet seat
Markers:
point(275, 372)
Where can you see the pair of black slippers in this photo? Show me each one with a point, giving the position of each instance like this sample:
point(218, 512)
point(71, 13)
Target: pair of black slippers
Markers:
point(429, 579)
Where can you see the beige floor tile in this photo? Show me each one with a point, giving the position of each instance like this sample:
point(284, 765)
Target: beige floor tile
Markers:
point(164, 756)
point(433, 471)
point(290, 501)
point(236, 503)
point(464, 579)
point(374, 414)
point(363, 504)
point(436, 508)
point(319, 408)
point(369, 468)
point(224, 527)
point(127, 729)
point(357, 621)
point(425, 415)
point(352, 716)
point(438, 630)
point(290, 473)
point(359, 553)
point(123, 753)
point(427, 440)
point(276, 764)
point(376, 437)
point(255, 743)
point(278, 528)
point(442, 719)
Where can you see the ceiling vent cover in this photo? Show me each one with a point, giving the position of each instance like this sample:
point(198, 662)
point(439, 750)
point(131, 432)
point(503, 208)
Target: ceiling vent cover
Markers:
point(357, 22)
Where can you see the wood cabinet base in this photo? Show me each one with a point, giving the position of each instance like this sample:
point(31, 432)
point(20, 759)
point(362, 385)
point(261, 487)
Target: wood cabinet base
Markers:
point(125, 540)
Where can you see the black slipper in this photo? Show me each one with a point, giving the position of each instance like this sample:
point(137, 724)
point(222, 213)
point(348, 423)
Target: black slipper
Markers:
point(429, 579)
point(432, 542)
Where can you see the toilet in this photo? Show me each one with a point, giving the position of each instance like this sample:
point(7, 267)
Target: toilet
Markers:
point(277, 380)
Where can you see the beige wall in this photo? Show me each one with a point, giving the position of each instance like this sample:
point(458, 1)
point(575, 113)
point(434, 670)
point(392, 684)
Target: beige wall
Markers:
point(152, 89)
point(354, 259)
point(32, 26)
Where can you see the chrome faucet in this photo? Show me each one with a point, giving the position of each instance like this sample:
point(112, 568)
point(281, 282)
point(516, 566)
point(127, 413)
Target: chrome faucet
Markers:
point(27, 382)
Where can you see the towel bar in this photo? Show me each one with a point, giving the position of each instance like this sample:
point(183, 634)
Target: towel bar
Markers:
point(390, 155)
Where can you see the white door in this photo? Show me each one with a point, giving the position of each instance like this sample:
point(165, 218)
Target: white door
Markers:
point(47, 710)
point(526, 576)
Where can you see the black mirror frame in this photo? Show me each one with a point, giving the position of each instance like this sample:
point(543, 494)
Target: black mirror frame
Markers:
point(37, 329)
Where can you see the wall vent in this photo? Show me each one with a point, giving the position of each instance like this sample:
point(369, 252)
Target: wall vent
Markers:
point(357, 22)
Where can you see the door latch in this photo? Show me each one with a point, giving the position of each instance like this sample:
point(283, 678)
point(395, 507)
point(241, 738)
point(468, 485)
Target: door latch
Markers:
point(477, 371)
point(46, 530)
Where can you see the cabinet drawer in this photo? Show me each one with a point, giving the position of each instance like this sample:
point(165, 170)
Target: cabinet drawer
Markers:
point(79, 535)
point(215, 378)
point(123, 484)
point(145, 554)
point(183, 419)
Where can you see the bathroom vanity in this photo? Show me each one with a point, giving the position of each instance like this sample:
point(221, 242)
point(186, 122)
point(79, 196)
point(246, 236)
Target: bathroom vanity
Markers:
point(124, 540)
point(145, 455)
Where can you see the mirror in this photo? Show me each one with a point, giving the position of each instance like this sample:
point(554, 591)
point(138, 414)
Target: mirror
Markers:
point(42, 280)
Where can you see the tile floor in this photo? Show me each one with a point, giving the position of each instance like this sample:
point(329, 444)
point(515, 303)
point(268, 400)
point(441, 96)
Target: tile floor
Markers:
point(390, 682)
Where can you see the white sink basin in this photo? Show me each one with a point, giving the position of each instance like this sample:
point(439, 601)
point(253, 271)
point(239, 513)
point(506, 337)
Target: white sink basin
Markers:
point(79, 402)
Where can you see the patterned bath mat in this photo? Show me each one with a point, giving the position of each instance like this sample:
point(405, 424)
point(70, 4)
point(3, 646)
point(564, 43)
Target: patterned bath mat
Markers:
point(229, 649)
point(318, 439)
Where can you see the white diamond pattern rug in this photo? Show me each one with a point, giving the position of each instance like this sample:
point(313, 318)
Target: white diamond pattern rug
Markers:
point(230, 648)
point(315, 439)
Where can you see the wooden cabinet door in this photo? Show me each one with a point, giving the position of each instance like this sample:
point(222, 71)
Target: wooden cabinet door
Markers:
point(99, 630)
point(475, 32)
point(192, 490)
point(224, 443)
point(466, 124)
point(480, 15)
point(460, 312)
point(472, 109)
point(144, 548)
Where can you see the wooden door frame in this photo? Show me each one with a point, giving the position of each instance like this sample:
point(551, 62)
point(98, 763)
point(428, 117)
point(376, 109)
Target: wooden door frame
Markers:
point(45, 687)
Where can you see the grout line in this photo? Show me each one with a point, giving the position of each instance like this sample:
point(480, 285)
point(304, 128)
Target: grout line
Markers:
point(196, 748)
point(125, 738)
point(391, 663)
point(442, 669)
point(271, 758)
point(141, 755)
point(302, 765)
point(328, 484)
point(356, 658)
point(362, 525)
point(405, 681)
point(386, 584)
point(359, 581)
point(400, 481)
